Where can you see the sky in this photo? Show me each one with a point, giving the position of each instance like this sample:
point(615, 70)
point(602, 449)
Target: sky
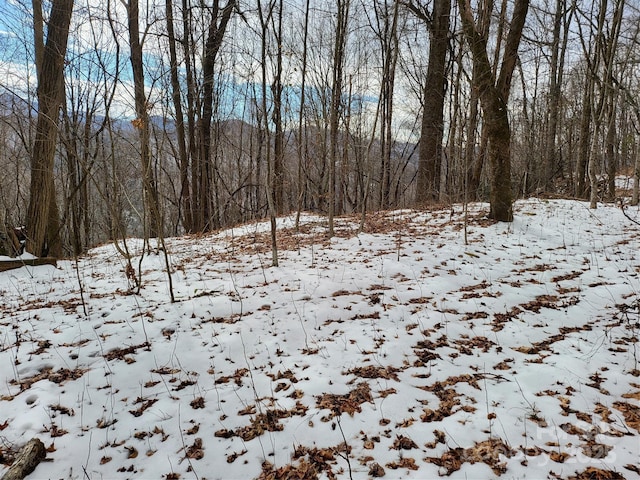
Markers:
point(402, 350)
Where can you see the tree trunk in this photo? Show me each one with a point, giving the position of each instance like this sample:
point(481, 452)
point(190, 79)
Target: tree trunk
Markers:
point(278, 138)
point(635, 197)
point(611, 152)
point(302, 144)
point(475, 156)
point(217, 28)
point(387, 33)
point(336, 102)
point(604, 58)
point(585, 139)
point(494, 94)
point(42, 216)
point(554, 100)
point(183, 160)
point(432, 130)
point(141, 123)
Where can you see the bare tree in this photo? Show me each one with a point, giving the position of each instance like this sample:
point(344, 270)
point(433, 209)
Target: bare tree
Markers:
point(302, 144)
point(561, 20)
point(385, 26)
point(335, 109)
point(494, 94)
point(176, 97)
point(141, 123)
point(432, 130)
point(43, 223)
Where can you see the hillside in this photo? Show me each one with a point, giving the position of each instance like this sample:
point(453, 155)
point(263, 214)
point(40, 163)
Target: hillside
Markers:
point(400, 352)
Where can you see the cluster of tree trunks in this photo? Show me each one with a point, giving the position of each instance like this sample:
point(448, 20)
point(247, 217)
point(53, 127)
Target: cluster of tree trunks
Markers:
point(308, 139)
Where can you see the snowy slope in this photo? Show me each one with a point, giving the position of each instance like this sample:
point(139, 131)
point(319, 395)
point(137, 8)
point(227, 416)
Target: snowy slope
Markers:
point(399, 352)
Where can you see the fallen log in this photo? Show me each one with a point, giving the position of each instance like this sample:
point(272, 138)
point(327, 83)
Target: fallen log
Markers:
point(28, 459)
point(29, 262)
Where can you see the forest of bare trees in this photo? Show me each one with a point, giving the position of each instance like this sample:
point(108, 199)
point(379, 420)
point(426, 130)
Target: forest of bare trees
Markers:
point(125, 118)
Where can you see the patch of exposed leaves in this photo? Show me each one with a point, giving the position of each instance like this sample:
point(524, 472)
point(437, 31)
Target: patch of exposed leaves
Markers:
point(268, 421)
point(545, 344)
point(590, 448)
point(499, 319)
point(286, 375)
point(487, 452)
point(183, 384)
point(69, 306)
point(596, 382)
point(263, 422)
point(449, 398)
point(372, 371)
point(121, 353)
point(376, 470)
point(480, 286)
point(79, 343)
point(144, 404)
point(59, 409)
point(504, 365)
point(302, 471)
point(236, 377)
point(43, 345)
point(234, 456)
point(311, 464)
point(568, 276)
point(405, 462)
point(541, 267)
point(630, 412)
point(344, 293)
point(54, 430)
point(440, 437)
point(420, 300)
point(635, 395)
point(465, 345)
point(347, 403)
point(475, 316)
point(425, 349)
point(364, 316)
point(59, 376)
point(593, 473)
point(633, 468)
point(166, 370)
point(7, 455)
point(403, 443)
point(541, 301)
point(196, 450)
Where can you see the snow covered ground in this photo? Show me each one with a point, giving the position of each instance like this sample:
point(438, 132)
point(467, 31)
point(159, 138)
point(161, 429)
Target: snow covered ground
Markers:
point(401, 352)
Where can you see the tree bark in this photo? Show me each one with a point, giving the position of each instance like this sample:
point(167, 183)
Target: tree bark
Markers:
point(43, 235)
point(28, 459)
point(183, 156)
point(302, 144)
point(432, 130)
point(207, 219)
point(494, 94)
point(278, 138)
point(141, 123)
point(342, 19)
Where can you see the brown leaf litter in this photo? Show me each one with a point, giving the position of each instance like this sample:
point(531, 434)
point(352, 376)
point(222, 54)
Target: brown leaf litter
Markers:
point(347, 403)
point(488, 452)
